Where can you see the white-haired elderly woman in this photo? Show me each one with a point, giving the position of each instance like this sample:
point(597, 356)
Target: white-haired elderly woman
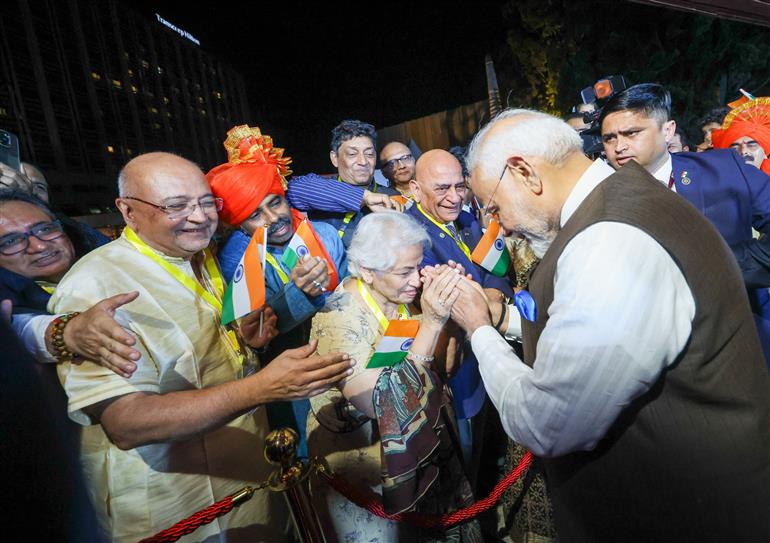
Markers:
point(403, 409)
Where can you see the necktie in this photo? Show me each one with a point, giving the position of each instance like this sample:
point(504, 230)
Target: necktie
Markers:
point(453, 232)
point(671, 180)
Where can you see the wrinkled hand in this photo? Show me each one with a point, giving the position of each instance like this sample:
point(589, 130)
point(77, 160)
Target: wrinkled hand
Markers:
point(309, 273)
point(298, 373)
point(433, 271)
point(471, 309)
point(439, 294)
point(96, 336)
point(381, 202)
point(249, 327)
point(14, 179)
point(6, 311)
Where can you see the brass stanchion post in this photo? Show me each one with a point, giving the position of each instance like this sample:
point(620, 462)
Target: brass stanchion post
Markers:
point(291, 478)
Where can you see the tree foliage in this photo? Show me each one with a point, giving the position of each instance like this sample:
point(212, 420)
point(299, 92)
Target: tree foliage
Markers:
point(557, 47)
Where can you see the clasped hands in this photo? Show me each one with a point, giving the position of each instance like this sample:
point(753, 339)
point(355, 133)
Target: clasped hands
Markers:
point(449, 292)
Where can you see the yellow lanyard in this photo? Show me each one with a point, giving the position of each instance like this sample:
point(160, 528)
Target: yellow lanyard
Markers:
point(274, 263)
point(46, 286)
point(176, 273)
point(403, 312)
point(460, 243)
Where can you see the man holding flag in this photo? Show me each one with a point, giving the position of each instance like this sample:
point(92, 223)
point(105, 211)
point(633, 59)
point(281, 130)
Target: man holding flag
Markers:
point(301, 262)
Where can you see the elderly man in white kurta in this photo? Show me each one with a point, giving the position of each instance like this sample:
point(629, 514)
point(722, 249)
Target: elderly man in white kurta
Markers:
point(183, 431)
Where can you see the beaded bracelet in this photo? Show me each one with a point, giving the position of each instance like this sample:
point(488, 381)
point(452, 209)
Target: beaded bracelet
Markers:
point(60, 351)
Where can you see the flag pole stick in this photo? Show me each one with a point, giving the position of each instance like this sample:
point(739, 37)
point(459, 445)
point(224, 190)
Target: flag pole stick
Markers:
point(263, 264)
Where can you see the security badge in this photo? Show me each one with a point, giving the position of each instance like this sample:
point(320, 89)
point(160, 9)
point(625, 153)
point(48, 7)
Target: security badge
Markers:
point(685, 180)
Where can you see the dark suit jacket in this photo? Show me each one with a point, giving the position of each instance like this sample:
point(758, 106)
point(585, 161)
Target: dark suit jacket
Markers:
point(467, 387)
point(735, 197)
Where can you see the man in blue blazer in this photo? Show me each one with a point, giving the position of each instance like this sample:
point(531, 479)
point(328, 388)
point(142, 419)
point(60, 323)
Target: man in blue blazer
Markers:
point(439, 191)
point(636, 125)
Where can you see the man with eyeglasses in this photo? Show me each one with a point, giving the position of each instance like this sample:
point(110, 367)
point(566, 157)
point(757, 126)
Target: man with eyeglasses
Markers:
point(186, 429)
point(342, 203)
point(642, 387)
point(398, 166)
point(439, 192)
point(36, 250)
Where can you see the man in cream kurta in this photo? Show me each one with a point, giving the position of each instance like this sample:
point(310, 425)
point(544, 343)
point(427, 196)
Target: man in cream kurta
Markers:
point(147, 489)
point(183, 431)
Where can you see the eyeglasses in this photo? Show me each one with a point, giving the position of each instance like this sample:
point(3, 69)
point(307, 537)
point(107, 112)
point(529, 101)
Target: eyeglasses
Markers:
point(751, 145)
point(403, 159)
point(485, 209)
point(181, 210)
point(17, 242)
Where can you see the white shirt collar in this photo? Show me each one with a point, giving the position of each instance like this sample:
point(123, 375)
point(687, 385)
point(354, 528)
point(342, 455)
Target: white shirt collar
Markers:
point(595, 174)
point(663, 174)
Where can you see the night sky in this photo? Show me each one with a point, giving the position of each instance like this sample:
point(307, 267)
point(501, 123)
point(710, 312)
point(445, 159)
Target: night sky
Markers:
point(307, 66)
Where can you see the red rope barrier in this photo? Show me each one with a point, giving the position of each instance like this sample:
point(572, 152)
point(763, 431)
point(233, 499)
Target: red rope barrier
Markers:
point(371, 502)
point(193, 522)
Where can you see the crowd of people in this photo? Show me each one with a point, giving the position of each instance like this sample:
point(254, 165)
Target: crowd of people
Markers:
point(626, 346)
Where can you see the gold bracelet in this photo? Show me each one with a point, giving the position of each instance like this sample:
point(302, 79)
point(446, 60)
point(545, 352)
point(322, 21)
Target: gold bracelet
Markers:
point(420, 357)
point(60, 351)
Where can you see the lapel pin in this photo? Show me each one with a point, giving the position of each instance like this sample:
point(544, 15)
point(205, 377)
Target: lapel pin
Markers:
point(685, 179)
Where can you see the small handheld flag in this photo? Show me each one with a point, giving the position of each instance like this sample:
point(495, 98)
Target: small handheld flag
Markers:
point(246, 292)
point(395, 343)
point(306, 242)
point(491, 252)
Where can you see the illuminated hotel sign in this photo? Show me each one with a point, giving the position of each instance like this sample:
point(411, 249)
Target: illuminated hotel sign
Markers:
point(179, 31)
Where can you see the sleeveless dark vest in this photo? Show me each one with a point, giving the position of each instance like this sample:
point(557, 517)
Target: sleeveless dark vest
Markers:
point(690, 459)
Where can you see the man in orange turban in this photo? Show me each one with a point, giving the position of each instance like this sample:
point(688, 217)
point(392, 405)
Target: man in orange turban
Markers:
point(252, 185)
point(747, 130)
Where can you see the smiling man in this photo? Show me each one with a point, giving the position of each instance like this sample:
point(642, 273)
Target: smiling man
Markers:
point(636, 126)
point(344, 202)
point(398, 166)
point(186, 429)
point(251, 185)
point(439, 191)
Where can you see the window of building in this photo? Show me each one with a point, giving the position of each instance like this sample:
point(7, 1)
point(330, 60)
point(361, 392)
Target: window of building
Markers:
point(131, 72)
point(95, 76)
point(166, 100)
point(117, 84)
point(160, 70)
point(154, 109)
point(218, 95)
point(110, 149)
point(134, 89)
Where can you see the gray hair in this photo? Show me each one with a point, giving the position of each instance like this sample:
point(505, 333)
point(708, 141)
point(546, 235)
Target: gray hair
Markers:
point(122, 183)
point(380, 238)
point(537, 134)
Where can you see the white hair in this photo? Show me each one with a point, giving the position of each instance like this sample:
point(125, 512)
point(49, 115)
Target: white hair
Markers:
point(380, 239)
point(122, 184)
point(537, 134)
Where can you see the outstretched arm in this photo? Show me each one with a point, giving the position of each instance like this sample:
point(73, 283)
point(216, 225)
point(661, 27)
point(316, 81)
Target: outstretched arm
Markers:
point(140, 418)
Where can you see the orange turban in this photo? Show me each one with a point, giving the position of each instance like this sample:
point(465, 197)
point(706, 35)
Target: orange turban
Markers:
point(750, 118)
point(254, 169)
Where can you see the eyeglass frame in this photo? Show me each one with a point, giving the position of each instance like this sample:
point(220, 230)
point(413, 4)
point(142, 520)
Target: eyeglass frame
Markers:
point(485, 209)
point(218, 205)
point(403, 159)
point(31, 232)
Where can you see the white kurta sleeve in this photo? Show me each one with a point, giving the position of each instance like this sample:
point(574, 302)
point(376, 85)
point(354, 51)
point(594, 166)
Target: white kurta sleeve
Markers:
point(622, 312)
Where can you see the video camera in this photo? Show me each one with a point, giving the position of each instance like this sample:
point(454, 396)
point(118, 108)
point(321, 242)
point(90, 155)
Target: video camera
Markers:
point(597, 95)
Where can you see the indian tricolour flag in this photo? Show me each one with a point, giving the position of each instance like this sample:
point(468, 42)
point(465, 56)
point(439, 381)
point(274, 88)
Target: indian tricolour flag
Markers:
point(306, 242)
point(395, 343)
point(491, 253)
point(246, 292)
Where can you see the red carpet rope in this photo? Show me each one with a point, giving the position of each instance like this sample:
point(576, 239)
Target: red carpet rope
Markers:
point(370, 501)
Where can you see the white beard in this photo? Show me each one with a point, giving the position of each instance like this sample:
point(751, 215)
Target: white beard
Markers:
point(539, 245)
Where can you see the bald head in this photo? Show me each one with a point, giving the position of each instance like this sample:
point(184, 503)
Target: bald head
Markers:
point(397, 163)
point(167, 201)
point(439, 186)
